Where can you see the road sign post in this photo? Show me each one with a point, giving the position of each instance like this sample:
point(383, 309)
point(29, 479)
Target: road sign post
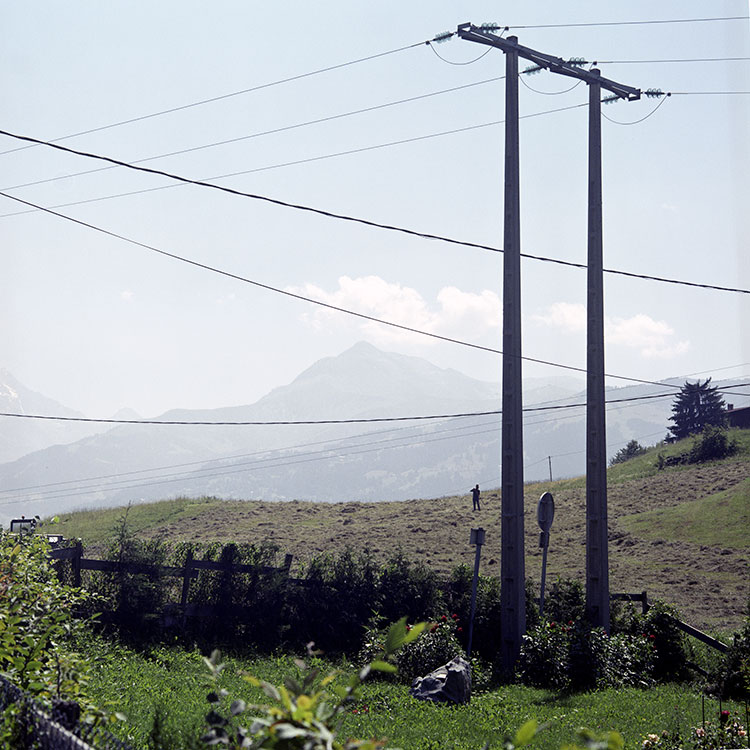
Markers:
point(545, 514)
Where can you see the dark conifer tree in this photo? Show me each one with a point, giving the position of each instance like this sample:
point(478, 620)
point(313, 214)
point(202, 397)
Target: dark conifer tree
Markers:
point(696, 406)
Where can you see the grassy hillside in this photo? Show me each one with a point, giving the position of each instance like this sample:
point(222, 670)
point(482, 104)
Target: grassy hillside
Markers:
point(679, 533)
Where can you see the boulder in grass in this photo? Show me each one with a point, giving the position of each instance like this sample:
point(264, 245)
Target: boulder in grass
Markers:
point(450, 683)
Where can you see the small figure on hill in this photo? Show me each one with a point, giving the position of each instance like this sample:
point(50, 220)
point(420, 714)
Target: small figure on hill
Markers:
point(475, 498)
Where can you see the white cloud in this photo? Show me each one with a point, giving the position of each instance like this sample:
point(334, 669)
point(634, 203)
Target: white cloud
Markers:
point(127, 295)
point(568, 317)
point(653, 338)
point(454, 313)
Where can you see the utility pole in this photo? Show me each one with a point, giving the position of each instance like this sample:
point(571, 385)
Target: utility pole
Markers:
point(513, 621)
point(597, 542)
point(512, 567)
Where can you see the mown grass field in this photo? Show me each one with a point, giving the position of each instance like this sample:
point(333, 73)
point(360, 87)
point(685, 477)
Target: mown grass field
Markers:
point(174, 684)
point(680, 533)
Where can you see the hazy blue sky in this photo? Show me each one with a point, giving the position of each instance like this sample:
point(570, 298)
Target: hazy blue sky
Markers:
point(100, 324)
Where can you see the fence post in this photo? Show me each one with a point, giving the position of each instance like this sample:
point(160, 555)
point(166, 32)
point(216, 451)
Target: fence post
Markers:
point(186, 578)
point(76, 564)
point(286, 567)
point(644, 602)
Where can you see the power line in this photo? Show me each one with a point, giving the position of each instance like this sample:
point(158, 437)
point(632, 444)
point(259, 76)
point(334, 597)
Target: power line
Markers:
point(331, 214)
point(281, 165)
point(223, 96)
point(260, 134)
point(645, 117)
point(296, 447)
point(262, 463)
point(362, 420)
point(627, 23)
point(319, 303)
point(680, 60)
point(55, 492)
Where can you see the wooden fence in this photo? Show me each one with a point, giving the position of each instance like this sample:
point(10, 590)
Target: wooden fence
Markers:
point(190, 570)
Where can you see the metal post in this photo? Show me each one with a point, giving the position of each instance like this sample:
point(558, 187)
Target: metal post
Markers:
point(477, 538)
point(549, 459)
point(513, 593)
point(597, 561)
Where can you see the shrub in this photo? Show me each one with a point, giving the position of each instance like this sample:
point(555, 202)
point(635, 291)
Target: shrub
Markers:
point(437, 646)
point(574, 656)
point(671, 646)
point(631, 450)
point(732, 678)
point(713, 443)
point(544, 657)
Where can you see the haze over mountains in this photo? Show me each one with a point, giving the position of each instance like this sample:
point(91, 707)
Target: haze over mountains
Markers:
point(51, 467)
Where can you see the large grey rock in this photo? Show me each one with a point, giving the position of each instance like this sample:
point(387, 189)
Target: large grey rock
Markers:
point(450, 683)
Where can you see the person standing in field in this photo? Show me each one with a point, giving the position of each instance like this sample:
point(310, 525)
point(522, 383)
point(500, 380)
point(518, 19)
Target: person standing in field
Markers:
point(475, 498)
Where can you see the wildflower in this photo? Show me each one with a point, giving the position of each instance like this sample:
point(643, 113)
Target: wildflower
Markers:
point(459, 630)
point(443, 619)
point(552, 624)
point(700, 732)
point(724, 716)
point(652, 637)
point(434, 627)
point(408, 628)
point(570, 622)
point(454, 616)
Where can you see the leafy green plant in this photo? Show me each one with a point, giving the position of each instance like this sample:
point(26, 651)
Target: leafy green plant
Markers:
point(38, 625)
point(574, 656)
point(304, 714)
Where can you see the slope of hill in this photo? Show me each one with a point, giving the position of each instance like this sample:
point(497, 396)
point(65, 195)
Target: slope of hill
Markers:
point(703, 566)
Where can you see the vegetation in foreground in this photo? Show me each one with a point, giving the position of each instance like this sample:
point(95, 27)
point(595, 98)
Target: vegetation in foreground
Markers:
point(163, 692)
point(164, 689)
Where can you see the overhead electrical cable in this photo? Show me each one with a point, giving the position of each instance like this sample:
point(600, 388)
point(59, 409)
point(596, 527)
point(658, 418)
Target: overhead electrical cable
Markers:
point(627, 23)
point(331, 215)
point(361, 420)
point(260, 134)
point(636, 122)
point(654, 62)
point(221, 97)
point(311, 300)
point(281, 165)
point(323, 454)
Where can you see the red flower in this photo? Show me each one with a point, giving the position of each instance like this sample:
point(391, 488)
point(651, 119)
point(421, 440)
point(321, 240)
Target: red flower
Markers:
point(652, 636)
point(408, 628)
point(454, 616)
point(724, 716)
point(434, 628)
point(443, 618)
point(570, 622)
point(459, 630)
point(552, 624)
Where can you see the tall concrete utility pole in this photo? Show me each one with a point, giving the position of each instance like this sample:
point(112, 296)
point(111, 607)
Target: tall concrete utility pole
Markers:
point(512, 568)
point(597, 563)
point(597, 543)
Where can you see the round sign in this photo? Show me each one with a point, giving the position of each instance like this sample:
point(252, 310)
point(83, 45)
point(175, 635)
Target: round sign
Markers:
point(545, 511)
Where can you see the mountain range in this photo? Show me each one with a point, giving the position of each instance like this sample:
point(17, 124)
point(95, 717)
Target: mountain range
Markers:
point(51, 467)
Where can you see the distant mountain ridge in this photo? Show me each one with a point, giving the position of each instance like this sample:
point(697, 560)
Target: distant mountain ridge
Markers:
point(20, 436)
point(324, 462)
